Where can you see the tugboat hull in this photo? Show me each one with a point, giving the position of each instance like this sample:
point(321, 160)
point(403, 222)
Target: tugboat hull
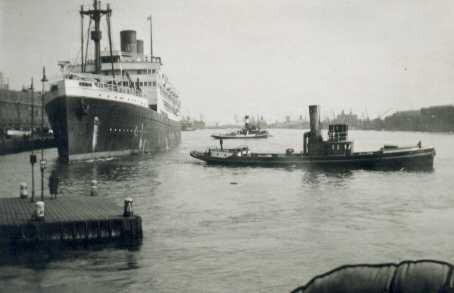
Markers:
point(408, 158)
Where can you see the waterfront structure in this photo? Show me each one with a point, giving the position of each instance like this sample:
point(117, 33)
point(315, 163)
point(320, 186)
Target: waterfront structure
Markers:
point(16, 110)
point(189, 124)
point(4, 84)
point(432, 119)
point(119, 103)
point(70, 220)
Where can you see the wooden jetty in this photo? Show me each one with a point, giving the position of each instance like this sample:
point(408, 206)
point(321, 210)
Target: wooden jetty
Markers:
point(67, 220)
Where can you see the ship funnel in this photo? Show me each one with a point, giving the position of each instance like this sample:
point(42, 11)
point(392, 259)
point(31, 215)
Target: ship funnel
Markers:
point(140, 48)
point(314, 116)
point(129, 42)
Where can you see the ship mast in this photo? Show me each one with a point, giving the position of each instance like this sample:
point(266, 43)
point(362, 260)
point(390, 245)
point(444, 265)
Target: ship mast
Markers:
point(151, 38)
point(95, 14)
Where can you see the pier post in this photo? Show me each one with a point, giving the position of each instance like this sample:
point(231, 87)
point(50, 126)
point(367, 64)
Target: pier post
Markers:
point(38, 214)
point(127, 211)
point(94, 188)
point(23, 190)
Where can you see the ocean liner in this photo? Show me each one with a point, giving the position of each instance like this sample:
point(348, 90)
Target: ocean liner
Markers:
point(117, 104)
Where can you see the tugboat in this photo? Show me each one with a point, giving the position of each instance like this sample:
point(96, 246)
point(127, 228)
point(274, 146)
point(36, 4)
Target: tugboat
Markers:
point(337, 151)
point(248, 131)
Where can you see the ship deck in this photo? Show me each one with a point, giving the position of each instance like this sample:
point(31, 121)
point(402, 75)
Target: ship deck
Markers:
point(409, 158)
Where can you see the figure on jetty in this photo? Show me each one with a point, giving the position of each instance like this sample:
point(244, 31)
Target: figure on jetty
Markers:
point(53, 184)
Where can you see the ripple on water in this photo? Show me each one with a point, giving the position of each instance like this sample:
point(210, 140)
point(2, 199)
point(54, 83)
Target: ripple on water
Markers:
point(272, 230)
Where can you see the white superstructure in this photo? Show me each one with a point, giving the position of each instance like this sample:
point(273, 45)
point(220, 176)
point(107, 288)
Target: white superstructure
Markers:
point(90, 86)
point(139, 72)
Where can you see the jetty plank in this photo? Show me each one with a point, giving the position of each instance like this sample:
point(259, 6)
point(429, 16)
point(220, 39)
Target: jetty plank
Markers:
point(66, 219)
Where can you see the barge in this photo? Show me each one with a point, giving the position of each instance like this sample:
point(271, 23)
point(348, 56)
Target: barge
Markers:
point(337, 151)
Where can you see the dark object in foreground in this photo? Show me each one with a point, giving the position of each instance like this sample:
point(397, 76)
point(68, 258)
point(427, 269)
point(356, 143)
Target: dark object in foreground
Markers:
point(53, 184)
point(422, 276)
point(336, 151)
point(68, 220)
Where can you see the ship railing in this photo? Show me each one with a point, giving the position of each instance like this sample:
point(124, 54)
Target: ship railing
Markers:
point(238, 148)
point(112, 85)
point(119, 88)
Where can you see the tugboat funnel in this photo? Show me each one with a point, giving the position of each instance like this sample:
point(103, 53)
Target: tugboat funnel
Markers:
point(314, 116)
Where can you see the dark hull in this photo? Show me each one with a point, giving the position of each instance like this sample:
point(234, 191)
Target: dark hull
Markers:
point(93, 128)
point(239, 136)
point(414, 159)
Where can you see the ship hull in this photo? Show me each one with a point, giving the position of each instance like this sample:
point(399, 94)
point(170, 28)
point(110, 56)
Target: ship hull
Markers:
point(416, 159)
point(87, 128)
point(239, 136)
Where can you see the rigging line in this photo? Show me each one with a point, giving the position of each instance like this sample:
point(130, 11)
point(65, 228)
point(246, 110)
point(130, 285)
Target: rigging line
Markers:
point(75, 58)
point(110, 40)
point(121, 67)
point(86, 47)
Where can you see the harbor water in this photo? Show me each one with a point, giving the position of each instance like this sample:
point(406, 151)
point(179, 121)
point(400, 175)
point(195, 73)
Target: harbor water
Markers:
point(242, 229)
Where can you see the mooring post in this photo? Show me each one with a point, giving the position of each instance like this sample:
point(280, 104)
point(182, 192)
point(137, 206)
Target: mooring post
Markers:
point(127, 210)
point(38, 214)
point(23, 190)
point(94, 188)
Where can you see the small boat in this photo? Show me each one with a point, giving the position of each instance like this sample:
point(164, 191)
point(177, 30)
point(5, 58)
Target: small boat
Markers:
point(337, 151)
point(241, 134)
point(248, 131)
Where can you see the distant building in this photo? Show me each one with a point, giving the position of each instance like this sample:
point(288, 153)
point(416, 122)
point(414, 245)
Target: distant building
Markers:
point(187, 123)
point(3, 82)
point(436, 118)
point(16, 110)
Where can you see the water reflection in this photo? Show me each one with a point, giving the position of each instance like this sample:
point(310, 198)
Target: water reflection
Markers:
point(335, 176)
point(115, 169)
point(40, 256)
point(113, 175)
point(203, 233)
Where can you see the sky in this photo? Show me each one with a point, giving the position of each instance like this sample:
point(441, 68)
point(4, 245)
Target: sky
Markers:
point(265, 58)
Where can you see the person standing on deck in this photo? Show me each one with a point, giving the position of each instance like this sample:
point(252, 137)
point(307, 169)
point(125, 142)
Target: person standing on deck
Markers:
point(53, 184)
point(221, 142)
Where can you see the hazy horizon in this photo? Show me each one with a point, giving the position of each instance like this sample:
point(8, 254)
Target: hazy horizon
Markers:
point(263, 58)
